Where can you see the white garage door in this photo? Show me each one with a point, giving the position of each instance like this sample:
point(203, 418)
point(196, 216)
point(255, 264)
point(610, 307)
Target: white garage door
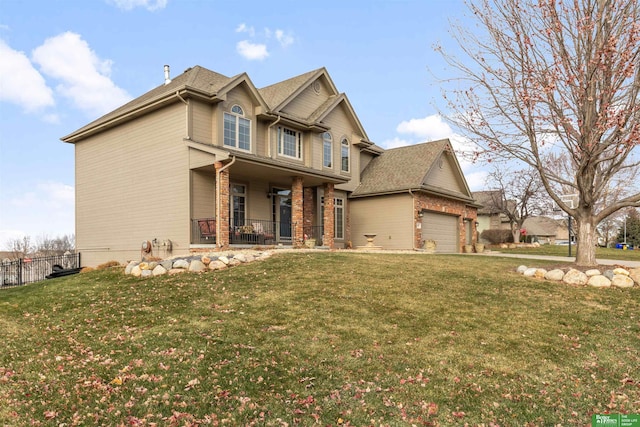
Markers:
point(443, 229)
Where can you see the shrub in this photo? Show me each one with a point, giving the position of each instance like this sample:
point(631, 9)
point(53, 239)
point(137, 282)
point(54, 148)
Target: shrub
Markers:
point(495, 237)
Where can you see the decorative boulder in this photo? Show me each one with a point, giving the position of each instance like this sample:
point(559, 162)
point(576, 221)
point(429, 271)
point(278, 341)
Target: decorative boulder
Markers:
point(181, 263)
point(622, 281)
point(217, 265)
point(234, 261)
point(540, 273)
point(634, 273)
point(224, 259)
point(240, 257)
point(555, 274)
point(521, 269)
point(197, 266)
point(159, 270)
point(530, 272)
point(167, 264)
point(620, 271)
point(129, 267)
point(608, 274)
point(575, 277)
point(176, 271)
point(599, 281)
point(146, 273)
point(205, 260)
point(136, 271)
point(592, 272)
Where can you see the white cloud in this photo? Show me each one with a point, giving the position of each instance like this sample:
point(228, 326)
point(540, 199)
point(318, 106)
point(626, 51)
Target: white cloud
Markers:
point(396, 143)
point(84, 76)
point(243, 28)
point(431, 128)
point(252, 51)
point(150, 5)
point(284, 39)
point(21, 83)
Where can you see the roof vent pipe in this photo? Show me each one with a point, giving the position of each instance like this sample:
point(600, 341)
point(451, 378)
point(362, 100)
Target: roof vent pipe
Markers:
point(167, 80)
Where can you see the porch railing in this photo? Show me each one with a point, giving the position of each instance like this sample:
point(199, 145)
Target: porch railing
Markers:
point(28, 270)
point(255, 232)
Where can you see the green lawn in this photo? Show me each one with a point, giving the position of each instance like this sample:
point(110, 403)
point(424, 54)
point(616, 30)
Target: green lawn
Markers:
point(563, 250)
point(319, 339)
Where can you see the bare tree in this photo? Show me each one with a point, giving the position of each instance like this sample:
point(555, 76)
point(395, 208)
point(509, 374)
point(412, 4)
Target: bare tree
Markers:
point(48, 246)
point(21, 247)
point(520, 195)
point(555, 78)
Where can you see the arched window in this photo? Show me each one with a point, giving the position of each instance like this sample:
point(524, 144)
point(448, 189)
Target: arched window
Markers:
point(344, 155)
point(237, 129)
point(327, 150)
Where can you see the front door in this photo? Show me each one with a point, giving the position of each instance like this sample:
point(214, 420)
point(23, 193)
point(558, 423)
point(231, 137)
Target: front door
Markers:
point(282, 213)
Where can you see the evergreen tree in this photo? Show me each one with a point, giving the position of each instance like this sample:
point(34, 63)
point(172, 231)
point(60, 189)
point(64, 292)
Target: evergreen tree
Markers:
point(632, 229)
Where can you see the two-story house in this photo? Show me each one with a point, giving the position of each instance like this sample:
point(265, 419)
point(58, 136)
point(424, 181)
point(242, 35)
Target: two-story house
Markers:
point(206, 161)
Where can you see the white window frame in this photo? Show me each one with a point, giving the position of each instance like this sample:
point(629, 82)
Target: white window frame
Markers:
point(297, 144)
point(327, 144)
point(237, 116)
point(338, 212)
point(344, 145)
point(233, 206)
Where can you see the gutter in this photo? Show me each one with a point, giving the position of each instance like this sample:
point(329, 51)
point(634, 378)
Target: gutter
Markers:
point(269, 135)
point(186, 103)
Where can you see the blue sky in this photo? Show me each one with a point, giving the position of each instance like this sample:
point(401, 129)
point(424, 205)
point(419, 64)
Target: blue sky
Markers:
point(65, 63)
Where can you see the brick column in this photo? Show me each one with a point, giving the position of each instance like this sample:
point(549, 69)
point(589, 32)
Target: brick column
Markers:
point(329, 216)
point(222, 211)
point(308, 211)
point(297, 211)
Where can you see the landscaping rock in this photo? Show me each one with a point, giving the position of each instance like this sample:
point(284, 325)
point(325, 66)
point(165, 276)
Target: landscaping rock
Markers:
point(205, 260)
point(620, 271)
point(575, 277)
point(224, 259)
point(129, 267)
point(634, 273)
point(234, 261)
point(167, 264)
point(608, 274)
point(521, 269)
point(176, 271)
point(181, 263)
point(240, 257)
point(159, 270)
point(143, 266)
point(540, 272)
point(622, 281)
point(592, 272)
point(599, 281)
point(217, 265)
point(530, 272)
point(146, 273)
point(136, 271)
point(555, 274)
point(197, 266)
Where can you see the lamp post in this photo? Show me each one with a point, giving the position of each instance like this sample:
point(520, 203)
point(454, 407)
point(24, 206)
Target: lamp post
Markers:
point(569, 198)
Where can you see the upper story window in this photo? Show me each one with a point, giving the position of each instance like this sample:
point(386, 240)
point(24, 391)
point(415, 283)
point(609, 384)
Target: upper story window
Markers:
point(237, 129)
point(327, 150)
point(344, 155)
point(289, 143)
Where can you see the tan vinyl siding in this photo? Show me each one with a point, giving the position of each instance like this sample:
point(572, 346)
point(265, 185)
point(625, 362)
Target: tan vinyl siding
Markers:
point(203, 193)
point(142, 191)
point(307, 101)
point(390, 217)
point(342, 126)
point(445, 176)
point(258, 204)
point(201, 118)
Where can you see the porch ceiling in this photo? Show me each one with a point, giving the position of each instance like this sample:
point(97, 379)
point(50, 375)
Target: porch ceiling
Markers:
point(274, 173)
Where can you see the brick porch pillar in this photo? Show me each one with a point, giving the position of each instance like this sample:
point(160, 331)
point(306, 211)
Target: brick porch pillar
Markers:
point(222, 204)
point(297, 211)
point(308, 211)
point(329, 216)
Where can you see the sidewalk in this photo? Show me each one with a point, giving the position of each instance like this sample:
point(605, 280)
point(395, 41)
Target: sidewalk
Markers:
point(629, 264)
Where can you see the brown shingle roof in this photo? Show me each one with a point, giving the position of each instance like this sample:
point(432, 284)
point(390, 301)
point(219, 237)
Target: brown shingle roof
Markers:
point(400, 169)
point(197, 77)
point(277, 93)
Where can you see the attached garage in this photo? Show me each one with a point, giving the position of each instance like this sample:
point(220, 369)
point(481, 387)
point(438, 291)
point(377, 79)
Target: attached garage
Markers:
point(443, 229)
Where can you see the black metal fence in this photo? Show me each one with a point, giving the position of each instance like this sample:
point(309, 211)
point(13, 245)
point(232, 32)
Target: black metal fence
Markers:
point(28, 270)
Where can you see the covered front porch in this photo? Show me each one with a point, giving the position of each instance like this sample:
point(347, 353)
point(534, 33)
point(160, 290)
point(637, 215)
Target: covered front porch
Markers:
point(248, 201)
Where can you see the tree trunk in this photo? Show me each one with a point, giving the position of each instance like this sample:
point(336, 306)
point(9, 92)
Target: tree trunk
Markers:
point(586, 249)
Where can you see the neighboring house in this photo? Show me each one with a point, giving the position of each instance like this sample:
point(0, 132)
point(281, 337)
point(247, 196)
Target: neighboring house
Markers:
point(207, 161)
point(490, 215)
point(545, 230)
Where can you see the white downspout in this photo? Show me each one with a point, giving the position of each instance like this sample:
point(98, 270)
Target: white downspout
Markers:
point(218, 225)
point(269, 136)
point(186, 103)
